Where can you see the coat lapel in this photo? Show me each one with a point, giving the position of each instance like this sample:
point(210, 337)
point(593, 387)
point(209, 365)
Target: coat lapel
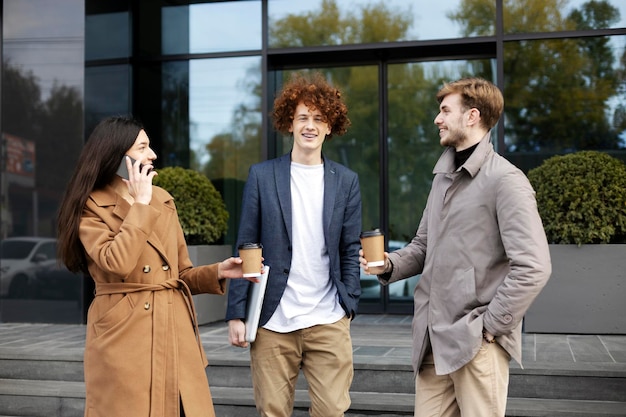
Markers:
point(330, 193)
point(119, 210)
point(282, 179)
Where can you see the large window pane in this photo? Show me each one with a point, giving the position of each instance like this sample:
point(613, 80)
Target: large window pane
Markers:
point(107, 92)
point(225, 112)
point(212, 27)
point(107, 35)
point(334, 22)
point(42, 132)
point(413, 145)
point(210, 121)
point(175, 103)
point(564, 96)
point(225, 115)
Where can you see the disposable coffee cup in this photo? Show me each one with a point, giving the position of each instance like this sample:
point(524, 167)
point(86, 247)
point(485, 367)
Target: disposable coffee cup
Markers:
point(251, 254)
point(373, 244)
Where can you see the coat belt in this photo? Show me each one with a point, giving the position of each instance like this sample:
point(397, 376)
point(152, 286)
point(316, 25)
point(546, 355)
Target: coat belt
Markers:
point(107, 288)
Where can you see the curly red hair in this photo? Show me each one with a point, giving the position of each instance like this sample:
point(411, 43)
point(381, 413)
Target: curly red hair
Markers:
point(316, 94)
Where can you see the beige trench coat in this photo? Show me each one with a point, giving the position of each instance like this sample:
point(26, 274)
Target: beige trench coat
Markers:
point(142, 352)
point(483, 256)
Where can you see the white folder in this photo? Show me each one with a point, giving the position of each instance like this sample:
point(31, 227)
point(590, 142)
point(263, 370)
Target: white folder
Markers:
point(255, 302)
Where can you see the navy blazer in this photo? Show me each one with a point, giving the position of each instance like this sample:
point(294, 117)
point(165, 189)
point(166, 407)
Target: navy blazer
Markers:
point(266, 218)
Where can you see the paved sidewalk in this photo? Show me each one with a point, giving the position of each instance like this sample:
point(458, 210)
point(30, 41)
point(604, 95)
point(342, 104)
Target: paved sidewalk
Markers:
point(376, 339)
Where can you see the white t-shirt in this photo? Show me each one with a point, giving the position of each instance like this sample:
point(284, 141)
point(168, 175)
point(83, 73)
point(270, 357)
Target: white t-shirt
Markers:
point(310, 298)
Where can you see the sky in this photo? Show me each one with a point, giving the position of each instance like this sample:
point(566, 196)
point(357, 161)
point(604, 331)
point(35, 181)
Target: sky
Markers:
point(51, 47)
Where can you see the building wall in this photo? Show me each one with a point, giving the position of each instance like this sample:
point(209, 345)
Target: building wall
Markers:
point(202, 78)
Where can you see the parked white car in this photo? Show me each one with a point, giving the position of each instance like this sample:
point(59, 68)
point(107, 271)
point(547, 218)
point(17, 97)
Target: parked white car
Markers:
point(21, 259)
point(370, 287)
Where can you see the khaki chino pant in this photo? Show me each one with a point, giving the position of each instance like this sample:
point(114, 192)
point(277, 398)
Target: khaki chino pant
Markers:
point(324, 353)
point(478, 389)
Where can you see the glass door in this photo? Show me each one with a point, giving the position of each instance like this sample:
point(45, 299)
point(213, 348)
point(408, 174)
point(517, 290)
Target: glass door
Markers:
point(393, 145)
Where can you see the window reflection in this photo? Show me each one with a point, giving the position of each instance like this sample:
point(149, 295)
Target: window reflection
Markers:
point(564, 96)
point(175, 122)
point(225, 115)
point(525, 16)
point(107, 35)
point(107, 92)
point(33, 286)
point(212, 27)
point(413, 141)
point(211, 122)
point(413, 145)
point(175, 29)
point(42, 79)
point(42, 126)
point(334, 22)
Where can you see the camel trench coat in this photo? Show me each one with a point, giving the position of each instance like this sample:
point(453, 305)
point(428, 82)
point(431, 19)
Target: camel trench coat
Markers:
point(143, 356)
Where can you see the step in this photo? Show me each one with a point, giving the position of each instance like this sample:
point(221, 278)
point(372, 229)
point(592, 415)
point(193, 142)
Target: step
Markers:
point(577, 378)
point(535, 407)
point(41, 368)
point(580, 383)
point(39, 398)
point(599, 382)
point(367, 377)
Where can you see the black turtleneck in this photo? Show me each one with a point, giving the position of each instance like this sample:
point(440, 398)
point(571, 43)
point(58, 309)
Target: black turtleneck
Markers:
point(461, 156)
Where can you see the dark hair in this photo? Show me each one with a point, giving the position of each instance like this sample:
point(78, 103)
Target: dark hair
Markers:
point(96, 167)
point(477, 93)
point(317, 94)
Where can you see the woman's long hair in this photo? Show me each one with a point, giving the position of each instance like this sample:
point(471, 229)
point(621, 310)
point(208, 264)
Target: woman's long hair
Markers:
point(96, 167)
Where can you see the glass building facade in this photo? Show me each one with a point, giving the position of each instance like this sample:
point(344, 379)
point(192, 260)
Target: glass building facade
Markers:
point(202, 75)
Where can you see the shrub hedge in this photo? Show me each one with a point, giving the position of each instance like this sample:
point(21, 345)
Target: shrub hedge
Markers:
point(582, 197)
point(201, 209)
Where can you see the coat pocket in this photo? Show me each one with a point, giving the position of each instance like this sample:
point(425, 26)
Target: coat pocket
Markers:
point(115, 317)
point(466, 291)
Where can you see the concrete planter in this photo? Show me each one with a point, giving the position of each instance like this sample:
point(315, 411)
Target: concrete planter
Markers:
point(209, 307)
point(586, 293)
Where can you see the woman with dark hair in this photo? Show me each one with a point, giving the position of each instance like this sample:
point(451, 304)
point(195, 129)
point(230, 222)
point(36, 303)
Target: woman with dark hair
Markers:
point(143, 355)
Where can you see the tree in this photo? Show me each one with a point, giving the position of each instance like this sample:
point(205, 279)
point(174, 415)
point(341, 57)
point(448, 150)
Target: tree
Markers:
point(61, 139)
point(369, 23)
point(55, 126)
point(231, 153)
point(21, 95)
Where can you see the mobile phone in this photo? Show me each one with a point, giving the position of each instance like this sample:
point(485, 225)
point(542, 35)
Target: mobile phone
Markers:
point(122, 171)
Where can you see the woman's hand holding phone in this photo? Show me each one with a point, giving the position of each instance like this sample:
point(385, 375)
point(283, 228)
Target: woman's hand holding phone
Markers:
point(139, 180)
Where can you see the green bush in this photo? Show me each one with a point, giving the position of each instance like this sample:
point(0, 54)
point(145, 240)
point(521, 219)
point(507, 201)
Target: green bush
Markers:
point(582, 198)
point(201, 209)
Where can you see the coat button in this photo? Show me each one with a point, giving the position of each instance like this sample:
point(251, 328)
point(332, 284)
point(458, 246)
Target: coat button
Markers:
point(146, 306)
point(166, 267)
point(146, 268)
